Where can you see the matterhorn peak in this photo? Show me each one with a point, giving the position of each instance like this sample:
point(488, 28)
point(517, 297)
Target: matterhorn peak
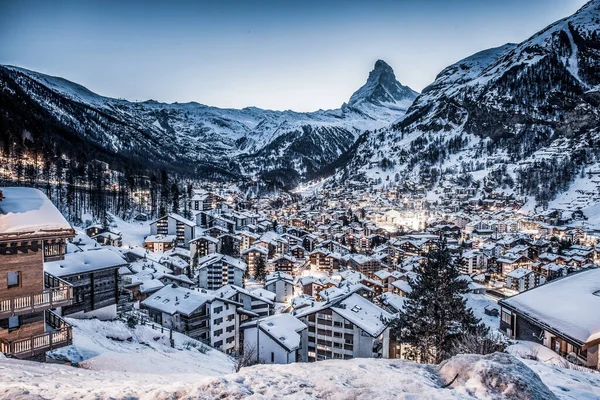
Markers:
point(382, 87)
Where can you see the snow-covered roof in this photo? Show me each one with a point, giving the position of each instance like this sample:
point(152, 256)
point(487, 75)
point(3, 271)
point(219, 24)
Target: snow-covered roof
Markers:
point(570, 304)
point(85, 261)
point(264, 294)
point(364, 314)
point(392, 300)
point(519, 273)
point(402, 285)
point(151, 285)
point(160, 238)
point(210, 259)
point(174, 299)
point(228, 291)
point(283, 328)
point(29, 210)
point(205, 238)
point(277, 276)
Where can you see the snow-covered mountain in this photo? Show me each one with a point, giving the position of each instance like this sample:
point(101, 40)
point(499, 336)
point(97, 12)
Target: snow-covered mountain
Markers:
point(212, 140)
point(521, 117)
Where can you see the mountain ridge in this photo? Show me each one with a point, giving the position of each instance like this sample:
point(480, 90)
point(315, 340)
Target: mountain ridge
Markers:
point(520, 118)
point(240, 142)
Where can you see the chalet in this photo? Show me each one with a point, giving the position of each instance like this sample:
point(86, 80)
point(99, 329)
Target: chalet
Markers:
point(313, 285)
point(180, 252)
point(94, 277)
point(198, 314)
point(391, 302)
point(225, 223)
point(509, 262)
point(309, 241)
point(95, 229)
point(348, 327)
point(109, 238)
point(334, 247)
point(203, 200)
point(183, 229)
point(260, 302)
point(547, 315)
point(247, 239)
point(324, 260)
point(473, 262)
point(32, 231)
point(553, 271)
point(522, 279)
point(177, 265)
point(361, 263)
point(282, 285)
point(216, 270)
point(401, 287)
point(283, 264)
point(279, 339)
point(144, 284)
point(230, 244)
point(159, 243)
point(251, 256)
point(297, 252)
point(204, 245)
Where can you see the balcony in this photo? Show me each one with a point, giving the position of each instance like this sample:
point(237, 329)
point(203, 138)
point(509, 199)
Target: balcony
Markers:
point(58, 334)
point(58, 293)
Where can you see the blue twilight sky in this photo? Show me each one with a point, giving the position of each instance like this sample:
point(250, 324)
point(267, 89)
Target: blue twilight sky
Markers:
point(287, 54)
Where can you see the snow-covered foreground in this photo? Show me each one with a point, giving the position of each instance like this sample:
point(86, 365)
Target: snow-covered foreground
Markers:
point(496, 376)
point(113, 346)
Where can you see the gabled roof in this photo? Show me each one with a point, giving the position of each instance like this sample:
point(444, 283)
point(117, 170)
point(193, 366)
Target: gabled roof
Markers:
point(568, 305)
point(210, 259)
point(173, 299)
point(364, 314)
point(283, 328)
point(85, 261)
point(29, 210)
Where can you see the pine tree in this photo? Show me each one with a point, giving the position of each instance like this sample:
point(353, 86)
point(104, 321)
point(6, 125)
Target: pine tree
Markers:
point(260, 269)
point(435, 314)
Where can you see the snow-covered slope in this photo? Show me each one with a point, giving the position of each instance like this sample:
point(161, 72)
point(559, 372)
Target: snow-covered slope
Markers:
point(497, 376)
point(524, 118)
point(113, 346)
point(228, 141)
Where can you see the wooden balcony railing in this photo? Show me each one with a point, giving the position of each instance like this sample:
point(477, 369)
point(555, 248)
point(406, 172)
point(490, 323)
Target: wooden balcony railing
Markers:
point(59, 335)
point(58, 293)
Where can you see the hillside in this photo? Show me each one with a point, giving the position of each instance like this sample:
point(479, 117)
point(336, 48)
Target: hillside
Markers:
point(113, 346)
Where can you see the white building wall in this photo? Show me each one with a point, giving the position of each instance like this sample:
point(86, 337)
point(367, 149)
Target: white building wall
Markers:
point(223, 326)
point(269, 351)
point(284, 291)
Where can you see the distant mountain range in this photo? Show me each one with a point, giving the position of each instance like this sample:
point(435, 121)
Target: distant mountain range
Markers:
point(197, 139)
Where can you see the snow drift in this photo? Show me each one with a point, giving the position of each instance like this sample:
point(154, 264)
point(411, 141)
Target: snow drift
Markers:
point(479, 377)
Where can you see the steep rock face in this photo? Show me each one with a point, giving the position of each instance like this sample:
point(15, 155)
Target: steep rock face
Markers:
point(201, 139)
point(382, 88)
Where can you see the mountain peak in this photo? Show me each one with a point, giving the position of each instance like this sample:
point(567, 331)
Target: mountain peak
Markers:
point(382, 65)
point(382, 87)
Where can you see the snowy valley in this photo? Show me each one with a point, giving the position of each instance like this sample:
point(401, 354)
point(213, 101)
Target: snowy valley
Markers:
point(439, 245)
